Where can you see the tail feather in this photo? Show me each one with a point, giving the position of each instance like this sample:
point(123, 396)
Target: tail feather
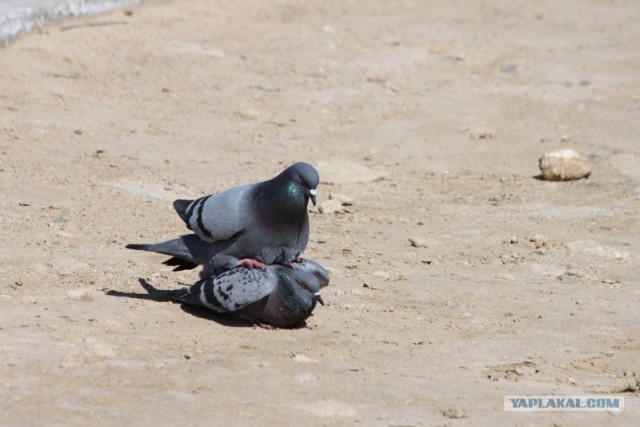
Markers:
point(138, 246)
point(186, 252)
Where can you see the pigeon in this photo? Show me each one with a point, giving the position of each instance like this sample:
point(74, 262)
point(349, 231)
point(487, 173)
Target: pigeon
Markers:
point(274, 297)
point(250, 225)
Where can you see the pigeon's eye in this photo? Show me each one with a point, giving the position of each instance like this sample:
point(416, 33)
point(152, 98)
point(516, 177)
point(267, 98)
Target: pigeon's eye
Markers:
point(304, 286)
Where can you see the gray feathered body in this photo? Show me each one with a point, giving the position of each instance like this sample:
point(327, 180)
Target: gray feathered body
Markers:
point(277, 295)
point(250, 222)
point(267, 222)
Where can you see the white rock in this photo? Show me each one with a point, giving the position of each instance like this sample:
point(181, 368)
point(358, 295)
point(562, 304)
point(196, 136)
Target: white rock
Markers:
point(249, 114)
point(330, 207)
point(343, 198)
point(481, 134)
point(628, 383)
point(454, 413)
point(564, 165)
point(417, 242)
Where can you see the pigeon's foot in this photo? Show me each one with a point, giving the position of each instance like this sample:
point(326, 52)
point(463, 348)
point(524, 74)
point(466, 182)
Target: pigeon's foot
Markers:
point(255, 322)
point(251, 263)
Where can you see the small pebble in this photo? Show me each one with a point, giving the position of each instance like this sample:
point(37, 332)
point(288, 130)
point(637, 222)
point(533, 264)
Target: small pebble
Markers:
point(331, 206)
point(564, 165)
point(509, 68)
point(628, 383)
point(481, 134)
point(342, 198)
point(249, 114)
point(417, 242)
point(454, 413)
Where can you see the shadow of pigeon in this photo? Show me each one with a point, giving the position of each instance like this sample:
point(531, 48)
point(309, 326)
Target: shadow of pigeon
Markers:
point(197, 310)
point(173, 295)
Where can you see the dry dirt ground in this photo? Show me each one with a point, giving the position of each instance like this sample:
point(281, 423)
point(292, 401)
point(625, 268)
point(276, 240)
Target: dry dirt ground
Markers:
point(522, 287)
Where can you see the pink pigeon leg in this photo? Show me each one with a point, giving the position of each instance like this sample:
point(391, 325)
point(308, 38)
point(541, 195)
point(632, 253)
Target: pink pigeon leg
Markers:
point(251, 263)
point(255, 322)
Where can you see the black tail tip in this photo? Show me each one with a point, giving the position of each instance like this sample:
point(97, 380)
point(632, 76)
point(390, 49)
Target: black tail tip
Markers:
point(180, 264)
point(136, 246)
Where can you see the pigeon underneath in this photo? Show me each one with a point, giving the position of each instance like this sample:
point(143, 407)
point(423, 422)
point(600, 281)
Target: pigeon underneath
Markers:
point(250, 225)
point(274, 297)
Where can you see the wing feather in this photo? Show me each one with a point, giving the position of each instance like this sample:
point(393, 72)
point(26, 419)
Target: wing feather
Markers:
point(218, 217)
point(235, 289)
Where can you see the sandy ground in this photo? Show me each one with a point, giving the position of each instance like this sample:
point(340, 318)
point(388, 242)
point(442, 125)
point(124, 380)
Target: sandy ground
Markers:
point(522, 287)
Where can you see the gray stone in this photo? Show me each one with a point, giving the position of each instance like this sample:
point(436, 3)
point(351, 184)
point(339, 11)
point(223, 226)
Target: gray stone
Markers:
point(331, 206)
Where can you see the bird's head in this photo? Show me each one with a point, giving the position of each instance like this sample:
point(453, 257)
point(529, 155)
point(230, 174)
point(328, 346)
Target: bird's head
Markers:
point(308, 178)
point(308, 284)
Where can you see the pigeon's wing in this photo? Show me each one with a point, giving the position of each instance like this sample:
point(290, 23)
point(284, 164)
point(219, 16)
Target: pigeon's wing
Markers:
point(220, 216)
point(314, 268)
point(235, 289)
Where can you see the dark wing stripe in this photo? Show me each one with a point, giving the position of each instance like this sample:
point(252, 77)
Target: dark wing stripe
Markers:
point(190, 210)
point(200, 224)
point(225, 296)
point(209, 295)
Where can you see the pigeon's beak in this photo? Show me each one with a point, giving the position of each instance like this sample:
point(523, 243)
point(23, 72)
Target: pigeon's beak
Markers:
point(318, 298)
point(312, 194)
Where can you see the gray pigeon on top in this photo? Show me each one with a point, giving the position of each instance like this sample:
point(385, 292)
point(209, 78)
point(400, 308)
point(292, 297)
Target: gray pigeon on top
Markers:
point(249, 225)
point(276, 296)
